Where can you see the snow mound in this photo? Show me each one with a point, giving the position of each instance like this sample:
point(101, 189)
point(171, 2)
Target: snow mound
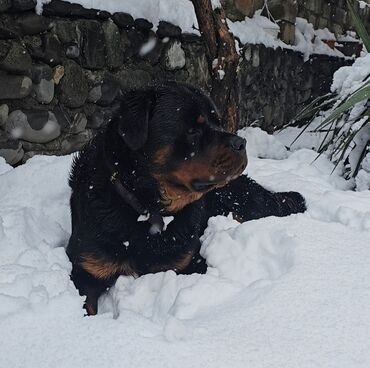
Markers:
point(278, 291)
point(349, 78)
point(238, 256)
point(34, 268)
point(263, 145)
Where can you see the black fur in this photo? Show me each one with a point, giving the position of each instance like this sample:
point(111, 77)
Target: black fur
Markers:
point(163, 140)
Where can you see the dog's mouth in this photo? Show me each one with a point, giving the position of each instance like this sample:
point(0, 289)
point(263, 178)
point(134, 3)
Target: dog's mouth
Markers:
point(203, 186)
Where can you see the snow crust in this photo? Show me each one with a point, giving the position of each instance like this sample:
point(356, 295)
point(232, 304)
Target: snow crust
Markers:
point(283, 292)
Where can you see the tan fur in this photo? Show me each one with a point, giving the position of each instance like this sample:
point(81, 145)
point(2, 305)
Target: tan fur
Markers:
point(161, 156)
point(177, 265)
point(176, 190)
point(176, 199)
point(102, 269)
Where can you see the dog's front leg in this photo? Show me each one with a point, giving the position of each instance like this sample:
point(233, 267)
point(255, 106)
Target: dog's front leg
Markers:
point(247, 200)
point(174, 248)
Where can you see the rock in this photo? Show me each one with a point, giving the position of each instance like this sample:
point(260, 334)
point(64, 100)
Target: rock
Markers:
point(14, 57)
point(75, 142)
point(66, 9)
point(5, 5)
point(237, 10)
point(73, 86)
point(105, 92)
point(151, 51)
point(40, 72)
point(79, 123)
point(32, 24)
point(11, 150)
point(16, 87)
point(98, 117)
point(104, 15)
point(33, 126)
point(54, 145)
point(166, 29)
point(174, 56)
point(58, 73)
point(63, 117)
point(136, 40)
point(95, 94)
point(131, 79)
point(143, 25)
point(126, 44)
point(7, 33)
point(43, 83)
point(73, 51)
point(50, 51)
point(190, 37)
point(31, 154)
point(22, 5)
point(114, 55)
point(92, 44)
point(58, 8)
point(123, 20)
point(4, 112)
point(67, 31)
point(9, 29)
point(96, 120)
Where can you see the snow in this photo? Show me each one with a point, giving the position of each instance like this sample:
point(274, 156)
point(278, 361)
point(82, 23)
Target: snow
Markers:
point(363, 4)
point(280, 292)
point(325, 34)
point(261, 30)
point(349, 78)
point(255, 30)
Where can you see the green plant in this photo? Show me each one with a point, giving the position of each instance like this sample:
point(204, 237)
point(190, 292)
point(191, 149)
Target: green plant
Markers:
point(343, 117)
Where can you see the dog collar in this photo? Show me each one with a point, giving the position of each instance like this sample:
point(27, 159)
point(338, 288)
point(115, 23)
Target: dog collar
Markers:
point(155, 219)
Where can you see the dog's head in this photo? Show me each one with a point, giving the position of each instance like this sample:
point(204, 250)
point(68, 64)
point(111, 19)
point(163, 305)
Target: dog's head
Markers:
point(177, 129)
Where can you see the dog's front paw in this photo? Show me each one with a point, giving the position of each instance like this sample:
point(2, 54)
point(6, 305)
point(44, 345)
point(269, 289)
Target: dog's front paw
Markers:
point(290, 202)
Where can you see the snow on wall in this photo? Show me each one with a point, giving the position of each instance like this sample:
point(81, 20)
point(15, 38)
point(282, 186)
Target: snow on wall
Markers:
point(256, 30)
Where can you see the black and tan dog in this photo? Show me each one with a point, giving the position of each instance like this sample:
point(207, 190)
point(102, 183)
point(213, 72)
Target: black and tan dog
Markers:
point(164, 154)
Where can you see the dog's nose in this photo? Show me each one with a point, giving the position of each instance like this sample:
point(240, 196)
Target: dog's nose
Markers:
point(237, 143)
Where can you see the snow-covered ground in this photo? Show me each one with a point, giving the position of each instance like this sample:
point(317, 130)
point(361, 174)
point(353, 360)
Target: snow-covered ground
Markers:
point(288, 292)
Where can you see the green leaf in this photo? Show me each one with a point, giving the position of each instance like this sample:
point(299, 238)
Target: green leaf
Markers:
point(359, 25)
point(363, 93)
point(318, 104)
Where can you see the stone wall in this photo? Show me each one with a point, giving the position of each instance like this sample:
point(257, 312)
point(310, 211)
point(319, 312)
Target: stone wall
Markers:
point(331, 14)
point(275, 84)
point(62, 73)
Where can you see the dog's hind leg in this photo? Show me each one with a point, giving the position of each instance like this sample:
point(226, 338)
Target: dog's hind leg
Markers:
point(90, 287)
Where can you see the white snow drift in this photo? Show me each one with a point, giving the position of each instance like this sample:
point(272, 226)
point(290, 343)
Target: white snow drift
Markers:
point(282, 292)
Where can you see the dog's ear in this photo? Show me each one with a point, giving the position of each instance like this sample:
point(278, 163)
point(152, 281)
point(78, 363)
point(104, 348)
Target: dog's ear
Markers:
point(134, 116)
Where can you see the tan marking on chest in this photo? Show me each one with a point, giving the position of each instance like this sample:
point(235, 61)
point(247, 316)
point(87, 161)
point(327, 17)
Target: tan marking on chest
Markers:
point(103, 269)
point(175, 199)
point(179, 264)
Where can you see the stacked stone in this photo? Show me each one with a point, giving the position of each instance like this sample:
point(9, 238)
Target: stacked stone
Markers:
point(276, 84)
point(332, 14)
point(62, 73)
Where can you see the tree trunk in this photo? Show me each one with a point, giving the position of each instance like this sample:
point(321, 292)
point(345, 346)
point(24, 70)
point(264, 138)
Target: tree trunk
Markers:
point(222, 60)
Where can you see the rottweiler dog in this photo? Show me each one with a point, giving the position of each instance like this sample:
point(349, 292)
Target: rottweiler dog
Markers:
point(163, 154)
